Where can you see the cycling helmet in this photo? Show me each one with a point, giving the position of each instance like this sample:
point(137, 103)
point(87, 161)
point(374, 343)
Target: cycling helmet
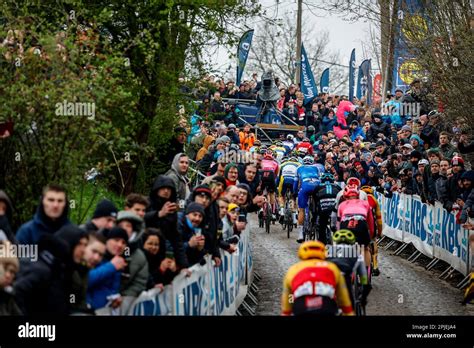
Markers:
point(301, 153)
point(367, 189)
point(344, 237)
point(263, 149)
point(306, 139)
point(279, 143)
point(290, 137)
point(312, 250)
point(257, 142)
point(311, 128)
point(353, 182)
point(351, 191)
point(268, 154)
point(308, 160)
point(284, 158)
point(293, 159)
point(327, 177)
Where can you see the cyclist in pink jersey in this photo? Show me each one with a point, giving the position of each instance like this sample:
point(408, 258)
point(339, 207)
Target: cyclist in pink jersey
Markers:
point(270, 169)
point(356, 215)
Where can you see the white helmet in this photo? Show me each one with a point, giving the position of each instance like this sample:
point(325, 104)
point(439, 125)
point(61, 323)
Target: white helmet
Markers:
point(290, 137)
point(308, 160)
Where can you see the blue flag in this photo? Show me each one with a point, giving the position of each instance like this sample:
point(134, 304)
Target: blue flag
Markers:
point(324, 82)
point(308, 84)
point(352, 68)
point(405, 66)
point(243, 53)
point(364, 81)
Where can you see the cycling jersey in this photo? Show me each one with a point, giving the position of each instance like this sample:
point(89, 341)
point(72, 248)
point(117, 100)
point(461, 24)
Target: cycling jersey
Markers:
point(315, 287)
point(270, 165)
point(308, 177)
point(269, 174)
point(377, 213)
point(345, 258)
point(325, 197)
point(279, 150)
point(289, 146)
point(288, 172)
point(356, 215)
point(340, 198)
point(305, 147)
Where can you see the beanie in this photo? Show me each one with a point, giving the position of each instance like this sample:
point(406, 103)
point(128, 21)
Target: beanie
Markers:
point(105, 208)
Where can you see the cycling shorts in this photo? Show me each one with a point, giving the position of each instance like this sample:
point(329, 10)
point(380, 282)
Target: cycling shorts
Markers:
point(307, 188)
point(287, 185)
point(360, 228)
point(268, 181)
point(315, 306)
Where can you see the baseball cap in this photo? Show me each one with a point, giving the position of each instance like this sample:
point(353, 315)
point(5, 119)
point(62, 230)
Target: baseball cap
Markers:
point(232, 206)
point(408, 146)
point(232, 126)
point(423, 162)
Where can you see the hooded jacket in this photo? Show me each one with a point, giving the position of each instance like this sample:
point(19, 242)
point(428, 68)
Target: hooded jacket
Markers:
point(205, 147)
point(6, 219)
point(41, 286)
point(187, 231)
point(168, 223)
point(181, 182)
point(76, 275)
point(31, 231)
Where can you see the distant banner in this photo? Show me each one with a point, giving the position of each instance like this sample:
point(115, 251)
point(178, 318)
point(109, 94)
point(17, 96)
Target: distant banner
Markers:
point(308, 84)
point(324, 82)
point(377, 89)
point(364, 81)
point(431, 229)
point(243, 53)
point(405, 66)
point(352, 69)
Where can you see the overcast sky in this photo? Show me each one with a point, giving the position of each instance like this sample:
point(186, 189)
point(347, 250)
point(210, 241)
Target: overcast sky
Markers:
point(343, 35)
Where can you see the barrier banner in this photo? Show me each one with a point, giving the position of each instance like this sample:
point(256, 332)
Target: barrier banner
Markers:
point(153, 302)
point(431, 229)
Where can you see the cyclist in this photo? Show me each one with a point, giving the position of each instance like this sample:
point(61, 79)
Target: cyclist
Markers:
point(313, 286)
point(351, 263)
point(289, 143)
point(256, 146)
point(353, 182)
point(306, 181)
point(325, 198)
point(305, 146)
point(288, 172)
point(377, 213)
point(279, 150)
point(270, 170)
point(355, 214)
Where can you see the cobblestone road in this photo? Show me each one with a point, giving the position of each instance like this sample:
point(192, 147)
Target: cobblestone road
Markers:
point(401, 289)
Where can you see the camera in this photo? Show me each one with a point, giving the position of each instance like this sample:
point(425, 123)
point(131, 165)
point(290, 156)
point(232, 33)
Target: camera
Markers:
point(242, 218)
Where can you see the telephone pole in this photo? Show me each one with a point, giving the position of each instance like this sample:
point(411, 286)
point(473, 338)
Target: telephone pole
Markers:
point(298, 41)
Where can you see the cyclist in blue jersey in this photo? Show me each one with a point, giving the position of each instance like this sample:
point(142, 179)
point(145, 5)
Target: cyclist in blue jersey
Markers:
point(325, 199)
point(306, 181)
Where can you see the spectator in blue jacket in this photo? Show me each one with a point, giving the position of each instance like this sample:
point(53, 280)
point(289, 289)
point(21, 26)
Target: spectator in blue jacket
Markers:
point(356, 131)
point(104, 280)
point(50, 216)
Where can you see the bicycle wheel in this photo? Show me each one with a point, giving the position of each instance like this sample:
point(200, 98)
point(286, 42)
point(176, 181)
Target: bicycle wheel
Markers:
point(268, 217)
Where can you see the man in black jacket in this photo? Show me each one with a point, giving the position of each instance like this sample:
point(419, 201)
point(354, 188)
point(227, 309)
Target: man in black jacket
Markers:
point(162, 214)
point(6, 218)
point(378, 128)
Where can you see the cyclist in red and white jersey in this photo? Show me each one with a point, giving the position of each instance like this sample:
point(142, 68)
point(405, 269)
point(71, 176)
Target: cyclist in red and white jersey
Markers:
point(270, 171)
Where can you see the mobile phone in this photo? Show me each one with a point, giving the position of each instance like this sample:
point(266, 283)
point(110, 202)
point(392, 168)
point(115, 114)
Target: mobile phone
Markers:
point(242, 218)
point(197, 231)
point(169, 254)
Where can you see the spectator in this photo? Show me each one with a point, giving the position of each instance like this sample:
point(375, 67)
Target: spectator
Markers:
point(104, 217)
point(233, 135)
point(445, 148)
point(6, 211)
point(190, 228)
point(104, 280)
point(161, 264)
point(217, 106)
point(162, 215)
point(137, 204)
point(95, 250)
point(247, 139)
point(453, 186)
point(175, 146)
point(208, 141)
point(231, 174)
point(431, 187)
point(467, 198)
point(177, 173)
point(9, 267)
point(417, 143)
point(442, 182)
point(50, 216)
point(427, 133)
point(378, 130)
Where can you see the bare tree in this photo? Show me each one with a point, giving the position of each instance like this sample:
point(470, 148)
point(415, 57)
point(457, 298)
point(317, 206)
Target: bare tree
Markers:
point(274, 47)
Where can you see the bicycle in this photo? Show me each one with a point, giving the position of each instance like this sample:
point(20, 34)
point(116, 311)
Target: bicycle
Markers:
point(310, 221)
point(357, 290)
point(288, 214)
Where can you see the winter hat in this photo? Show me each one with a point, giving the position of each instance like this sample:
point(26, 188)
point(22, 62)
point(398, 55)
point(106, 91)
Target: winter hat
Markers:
point(406, 128)
point(105, 208)
point(202, 190)
point(220, 141)
point(417, 138)
point(434, 162)
point(194, 207)
point(457, 161)
point(116, 232)
point(408, 146)
point(416, 154)
point(219, 179)
point(423, 162)
point(469, 175)
point(232, 206)
point(225, 138)
point(231, 126)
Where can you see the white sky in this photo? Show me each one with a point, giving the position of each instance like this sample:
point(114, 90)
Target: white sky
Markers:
point(343, 35)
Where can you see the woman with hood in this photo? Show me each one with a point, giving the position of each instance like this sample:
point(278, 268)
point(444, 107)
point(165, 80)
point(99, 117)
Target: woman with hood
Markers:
point(178, 171)
point(6, 218)
point(76, 270)
point(161, 264)
point(208, 140)
point(162, 214)
point(417, 144)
